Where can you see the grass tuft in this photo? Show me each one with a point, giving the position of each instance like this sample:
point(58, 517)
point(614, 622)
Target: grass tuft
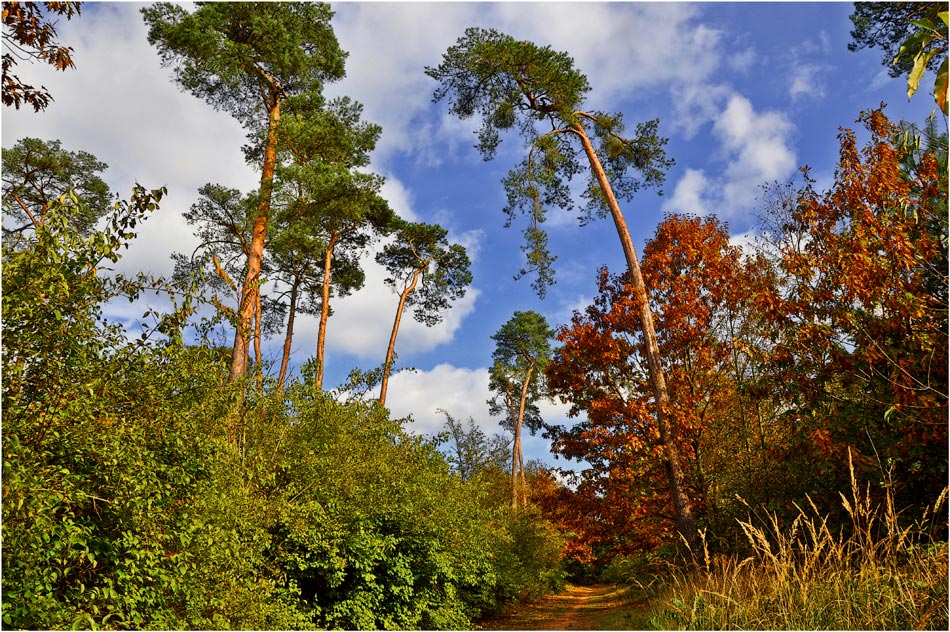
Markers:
point(880, 576)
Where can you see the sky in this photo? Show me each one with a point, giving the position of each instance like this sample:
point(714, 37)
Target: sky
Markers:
point(747, 93)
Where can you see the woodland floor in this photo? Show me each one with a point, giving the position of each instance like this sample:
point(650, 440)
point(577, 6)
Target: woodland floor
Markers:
point(605, 607)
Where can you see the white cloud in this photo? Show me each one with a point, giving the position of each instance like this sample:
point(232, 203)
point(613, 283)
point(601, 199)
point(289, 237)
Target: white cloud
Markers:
point(361, 323)
point(632, 47)
point(389, 46)
point(696, 104)
point(758, 147)
point(689, 193)
point(743, 60)
point(400, 199)
point(463, 393)
point(807, 82)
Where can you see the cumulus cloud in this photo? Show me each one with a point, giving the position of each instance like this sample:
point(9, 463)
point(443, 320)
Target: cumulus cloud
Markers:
point(389, 46)
point(697, 104)
point(758, 146)
point(743, 60)
point(632, 48)
point(464, 393)
point(689, 193)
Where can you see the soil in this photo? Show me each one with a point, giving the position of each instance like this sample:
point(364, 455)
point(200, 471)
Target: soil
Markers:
point(577, 608)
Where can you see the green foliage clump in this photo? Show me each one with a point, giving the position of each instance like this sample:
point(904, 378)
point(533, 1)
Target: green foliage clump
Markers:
point(142, 490)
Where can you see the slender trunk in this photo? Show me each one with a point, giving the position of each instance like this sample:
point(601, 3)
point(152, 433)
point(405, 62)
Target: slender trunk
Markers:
point(258, 326)
point(682, 506)
point(325, 307)
point(255, 253)
point(524, 482)
point(288, 338)
point(392, 337)
point(516, 448)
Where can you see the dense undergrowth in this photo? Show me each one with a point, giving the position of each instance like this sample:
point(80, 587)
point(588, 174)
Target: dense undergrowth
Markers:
point(141, 490)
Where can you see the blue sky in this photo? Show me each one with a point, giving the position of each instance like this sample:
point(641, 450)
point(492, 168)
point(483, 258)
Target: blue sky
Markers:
point(746, 93)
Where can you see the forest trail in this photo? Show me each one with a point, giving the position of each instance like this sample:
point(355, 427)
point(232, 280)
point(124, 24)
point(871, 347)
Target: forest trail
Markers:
point(604, 607)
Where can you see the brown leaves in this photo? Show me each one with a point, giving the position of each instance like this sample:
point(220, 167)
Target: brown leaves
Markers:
point(29, 35)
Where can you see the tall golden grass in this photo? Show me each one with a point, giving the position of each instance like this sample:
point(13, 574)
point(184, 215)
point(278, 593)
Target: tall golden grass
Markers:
point(881, 576)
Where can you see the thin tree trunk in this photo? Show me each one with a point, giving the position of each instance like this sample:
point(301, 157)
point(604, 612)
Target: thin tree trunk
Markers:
point(682, 506)
point(524, 482)
point(258, 326)
point(288, 338)
point(387, 365)
point(325, 307)
point(255, 255)
point(516, 448)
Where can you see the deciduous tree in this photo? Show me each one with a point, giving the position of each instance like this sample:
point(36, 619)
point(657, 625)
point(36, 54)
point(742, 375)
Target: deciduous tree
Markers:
point(863, 349)
point(913, 37)
point(29, 34)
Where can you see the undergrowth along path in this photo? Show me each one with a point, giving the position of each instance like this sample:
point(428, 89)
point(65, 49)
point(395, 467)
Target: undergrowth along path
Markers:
point(605, 607)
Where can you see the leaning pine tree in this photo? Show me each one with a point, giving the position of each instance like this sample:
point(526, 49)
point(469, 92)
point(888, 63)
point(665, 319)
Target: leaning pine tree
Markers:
point(516, 84)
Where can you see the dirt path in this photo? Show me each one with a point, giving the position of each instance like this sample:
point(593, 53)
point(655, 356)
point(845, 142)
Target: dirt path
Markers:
point(577, 608)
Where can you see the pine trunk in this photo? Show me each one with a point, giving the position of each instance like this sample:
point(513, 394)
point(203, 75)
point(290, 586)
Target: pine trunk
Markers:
point(288, 338)
point(682, 506)
point(255, 255)
point(516, 447)
point(387, 365)
point(325, 307)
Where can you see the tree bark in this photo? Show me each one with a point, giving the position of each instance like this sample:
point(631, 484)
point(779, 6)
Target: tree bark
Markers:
point(392, 338)
point(288, 337)
point(325, 307)
point(516, 447)
point(255, 255)
point(258, 326)
point(682, 506)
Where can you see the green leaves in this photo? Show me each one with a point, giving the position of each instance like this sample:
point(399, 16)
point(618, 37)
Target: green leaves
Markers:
point(239, 56)
point(518, 84)
point(929, 41)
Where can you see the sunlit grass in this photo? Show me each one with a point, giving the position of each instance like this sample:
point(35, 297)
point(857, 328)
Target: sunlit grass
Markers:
point(804, 576)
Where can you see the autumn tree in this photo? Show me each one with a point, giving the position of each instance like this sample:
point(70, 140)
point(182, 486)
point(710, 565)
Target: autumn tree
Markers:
point(522, 351)
point(246, 59)
point(428, 273)
point(516, 84)
point(37, 173)
point(29, 34)
point(863, 303)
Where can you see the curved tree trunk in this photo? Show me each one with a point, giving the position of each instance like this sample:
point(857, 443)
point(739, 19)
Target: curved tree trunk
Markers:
point(255, 255)
point(516, 447)
point(387, 365)
point(325, 307)
point(682, 506)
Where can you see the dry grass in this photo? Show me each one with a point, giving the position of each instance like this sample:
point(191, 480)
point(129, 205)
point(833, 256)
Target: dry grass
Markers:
point(883, 576)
